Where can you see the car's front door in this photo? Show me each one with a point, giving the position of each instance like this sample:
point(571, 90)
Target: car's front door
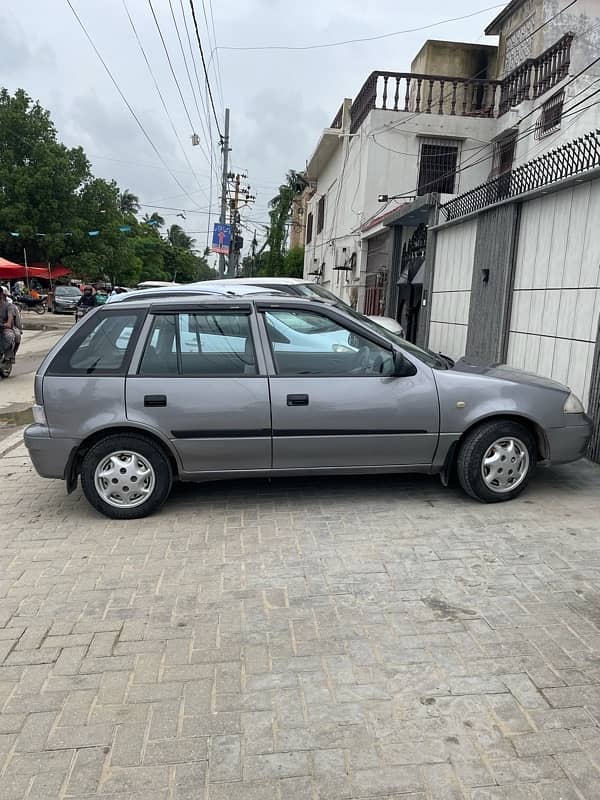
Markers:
point(335, 402)
point(201, 383)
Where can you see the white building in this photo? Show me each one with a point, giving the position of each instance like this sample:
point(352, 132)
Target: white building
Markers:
point(464, 114)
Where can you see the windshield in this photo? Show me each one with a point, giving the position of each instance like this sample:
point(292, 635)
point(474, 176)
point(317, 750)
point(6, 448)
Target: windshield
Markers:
point(426, 356)
point(67, 290)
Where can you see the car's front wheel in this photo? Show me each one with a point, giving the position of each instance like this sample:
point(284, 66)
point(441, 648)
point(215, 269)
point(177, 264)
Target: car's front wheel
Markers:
point(496, 461)
point(126, 477)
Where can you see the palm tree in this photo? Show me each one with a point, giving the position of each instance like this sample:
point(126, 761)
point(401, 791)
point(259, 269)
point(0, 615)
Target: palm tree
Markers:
point(179, 238)
point(281, 206)
point(154, 219)
point(129, 203)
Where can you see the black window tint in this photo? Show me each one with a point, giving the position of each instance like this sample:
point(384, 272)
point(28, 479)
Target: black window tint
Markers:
point(102, 345)
point(160, 353)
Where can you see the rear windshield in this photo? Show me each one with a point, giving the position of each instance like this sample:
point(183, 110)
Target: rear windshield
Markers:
point(102, 345)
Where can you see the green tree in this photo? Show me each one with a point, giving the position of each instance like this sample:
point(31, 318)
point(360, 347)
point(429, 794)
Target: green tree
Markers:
point(129, 203)
point(156, 218)
point(39, 180)
point(179, 238)
point(280, 209)
point(293, 263)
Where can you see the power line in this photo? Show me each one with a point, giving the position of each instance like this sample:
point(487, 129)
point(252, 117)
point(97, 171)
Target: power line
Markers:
point(364, 38)
point(165, 48)
point(202, 126)
point(126, 101)
point(218, 67)
point(162, 100)
point(478, 74)
point(204, 102)
point(210, 94)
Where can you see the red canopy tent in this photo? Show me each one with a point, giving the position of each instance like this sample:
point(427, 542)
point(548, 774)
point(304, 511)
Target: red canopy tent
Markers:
point(10, 271)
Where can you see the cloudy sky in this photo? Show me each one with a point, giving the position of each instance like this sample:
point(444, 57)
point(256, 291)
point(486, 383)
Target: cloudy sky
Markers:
point(280, 99)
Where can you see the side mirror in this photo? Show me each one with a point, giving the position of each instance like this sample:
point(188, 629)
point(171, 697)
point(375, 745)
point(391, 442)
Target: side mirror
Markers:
point(402, 366)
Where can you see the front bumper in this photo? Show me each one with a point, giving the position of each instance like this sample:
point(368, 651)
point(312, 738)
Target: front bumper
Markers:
point(50, 457)
point(570, 442)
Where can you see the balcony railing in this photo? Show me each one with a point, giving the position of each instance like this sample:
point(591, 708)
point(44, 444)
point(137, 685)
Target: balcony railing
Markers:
point(428, 94)
point(536, 76)
point(575, 157)
point(464, 97)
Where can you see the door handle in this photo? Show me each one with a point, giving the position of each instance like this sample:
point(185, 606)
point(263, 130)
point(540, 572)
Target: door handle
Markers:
point(297, 399)
point(155, 400)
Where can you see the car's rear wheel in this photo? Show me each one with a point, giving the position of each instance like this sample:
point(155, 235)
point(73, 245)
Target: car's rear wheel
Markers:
point(496, 461)
point(126, 477)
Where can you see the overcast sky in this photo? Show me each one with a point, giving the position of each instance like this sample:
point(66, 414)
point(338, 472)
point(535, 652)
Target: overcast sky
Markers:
point(280, 100)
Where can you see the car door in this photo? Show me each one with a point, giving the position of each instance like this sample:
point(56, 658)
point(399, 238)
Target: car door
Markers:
point(201, 382)
point(335, 402)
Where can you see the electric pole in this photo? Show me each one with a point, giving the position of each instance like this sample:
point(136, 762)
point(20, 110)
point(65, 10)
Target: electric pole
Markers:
point(223, 217)
point(235, 253)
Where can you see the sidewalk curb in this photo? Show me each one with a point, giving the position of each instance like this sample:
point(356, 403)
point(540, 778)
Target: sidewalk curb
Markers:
point(11, 442)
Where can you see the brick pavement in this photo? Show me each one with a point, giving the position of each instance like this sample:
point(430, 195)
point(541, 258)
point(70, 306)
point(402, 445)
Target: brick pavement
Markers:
point(322, 640)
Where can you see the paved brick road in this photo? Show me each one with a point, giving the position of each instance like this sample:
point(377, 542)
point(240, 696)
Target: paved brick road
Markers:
point(320, 640)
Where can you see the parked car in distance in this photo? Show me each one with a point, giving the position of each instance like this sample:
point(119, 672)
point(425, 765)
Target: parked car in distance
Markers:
point(63, 299)
point(198, 389)
point(304, 288)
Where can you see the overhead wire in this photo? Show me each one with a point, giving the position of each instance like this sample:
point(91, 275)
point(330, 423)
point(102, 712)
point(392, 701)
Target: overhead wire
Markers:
point(126, 101)
point(377, 37)
point(206, 75)
point(185, 62)
point(213, 47)
point(162, 99)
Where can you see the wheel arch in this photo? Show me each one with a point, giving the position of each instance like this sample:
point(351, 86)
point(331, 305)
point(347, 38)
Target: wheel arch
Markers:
point(541, 440)
point(73, 467)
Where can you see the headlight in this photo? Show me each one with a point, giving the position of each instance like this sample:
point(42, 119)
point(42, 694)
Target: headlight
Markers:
point(573, 405)
point(39, 415)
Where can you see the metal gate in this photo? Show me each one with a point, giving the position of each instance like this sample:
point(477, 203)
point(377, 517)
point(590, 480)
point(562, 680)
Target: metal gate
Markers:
point(594, 406)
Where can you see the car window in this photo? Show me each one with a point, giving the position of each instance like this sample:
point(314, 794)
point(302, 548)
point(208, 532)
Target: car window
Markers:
point(101, 346)
point(67, 291)
point(201, 344)
point(321, 346)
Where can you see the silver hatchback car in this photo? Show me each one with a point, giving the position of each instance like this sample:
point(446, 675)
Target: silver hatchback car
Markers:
point(142, 392)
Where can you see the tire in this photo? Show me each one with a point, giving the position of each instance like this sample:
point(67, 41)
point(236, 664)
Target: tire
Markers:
point(106, 455)
point(485, 442)
point(5, 369)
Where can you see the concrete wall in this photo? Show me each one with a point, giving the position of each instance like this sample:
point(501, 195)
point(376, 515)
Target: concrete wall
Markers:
point(451, 296)
point(556, 300)
point(455, 59)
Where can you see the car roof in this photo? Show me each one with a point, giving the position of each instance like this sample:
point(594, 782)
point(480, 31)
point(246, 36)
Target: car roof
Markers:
point(256, 281)
point(176, 300)
point(210, 288)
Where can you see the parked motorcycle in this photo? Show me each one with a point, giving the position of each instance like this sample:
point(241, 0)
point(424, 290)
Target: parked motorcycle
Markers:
point(27, 303)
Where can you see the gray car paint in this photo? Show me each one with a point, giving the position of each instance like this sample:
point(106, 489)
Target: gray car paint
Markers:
point(80, 406)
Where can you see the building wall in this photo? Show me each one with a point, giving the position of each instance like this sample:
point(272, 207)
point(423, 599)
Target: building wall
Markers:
point(455, 59)
point(556, 300)
point(382, 158)
point(451, 295)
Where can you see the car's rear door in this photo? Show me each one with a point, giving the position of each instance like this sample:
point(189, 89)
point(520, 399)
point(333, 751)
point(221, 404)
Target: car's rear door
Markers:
point(337, 405)
point(202, 382)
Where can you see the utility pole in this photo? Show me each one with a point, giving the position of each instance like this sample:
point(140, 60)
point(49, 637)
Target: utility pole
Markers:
point(235, 253)
point(222, 218)
point(254, 244)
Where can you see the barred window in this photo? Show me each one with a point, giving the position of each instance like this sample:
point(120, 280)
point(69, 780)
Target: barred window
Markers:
point(437, 168)
point(504, 154)
point(550, 118)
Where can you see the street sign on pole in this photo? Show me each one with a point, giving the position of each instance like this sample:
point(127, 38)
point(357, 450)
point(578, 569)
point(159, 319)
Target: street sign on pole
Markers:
point(221, 238)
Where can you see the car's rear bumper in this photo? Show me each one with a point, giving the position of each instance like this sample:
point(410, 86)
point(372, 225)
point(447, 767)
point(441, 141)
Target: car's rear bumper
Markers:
point(50, 457)
point(570, 442)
